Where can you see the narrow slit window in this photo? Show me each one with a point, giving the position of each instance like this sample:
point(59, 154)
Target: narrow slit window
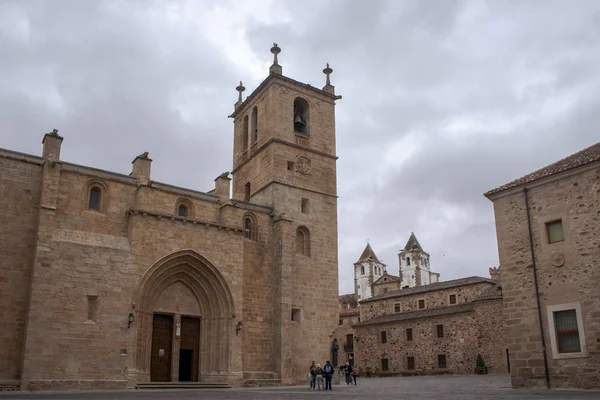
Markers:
point(409, 334)
point(92, 309)
point(304, 206)
point(383, 337)
point(247, 191)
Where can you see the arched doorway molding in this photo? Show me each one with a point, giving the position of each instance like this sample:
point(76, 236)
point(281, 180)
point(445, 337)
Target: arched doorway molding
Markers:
point(214, 298)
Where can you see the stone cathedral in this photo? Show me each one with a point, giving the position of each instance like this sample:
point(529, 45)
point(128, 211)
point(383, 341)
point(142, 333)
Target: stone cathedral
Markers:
point(110, 280)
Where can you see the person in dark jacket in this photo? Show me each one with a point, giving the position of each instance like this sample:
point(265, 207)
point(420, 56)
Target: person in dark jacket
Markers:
point(328, 373)
point(348, 369)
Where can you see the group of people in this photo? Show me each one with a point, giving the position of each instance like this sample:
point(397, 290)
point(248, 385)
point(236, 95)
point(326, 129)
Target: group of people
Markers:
point(320, 377)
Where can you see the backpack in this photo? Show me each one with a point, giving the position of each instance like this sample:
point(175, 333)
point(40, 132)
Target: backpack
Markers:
point(328, 369)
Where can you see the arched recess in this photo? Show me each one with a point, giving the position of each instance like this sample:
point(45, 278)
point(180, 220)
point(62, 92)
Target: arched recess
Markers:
point(254, 127)
point(301, 116)
point(215, 302)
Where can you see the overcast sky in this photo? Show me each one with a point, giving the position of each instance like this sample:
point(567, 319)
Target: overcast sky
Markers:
point(443, 100)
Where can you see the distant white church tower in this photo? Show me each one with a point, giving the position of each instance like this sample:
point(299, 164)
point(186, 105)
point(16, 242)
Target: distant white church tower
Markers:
point(367, 270)
point(414, 265)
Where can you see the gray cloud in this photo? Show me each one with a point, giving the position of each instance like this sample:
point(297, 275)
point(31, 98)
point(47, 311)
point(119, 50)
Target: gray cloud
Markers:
point(442, 101)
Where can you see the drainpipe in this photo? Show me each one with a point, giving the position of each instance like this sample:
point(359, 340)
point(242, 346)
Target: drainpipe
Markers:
point(537, 289)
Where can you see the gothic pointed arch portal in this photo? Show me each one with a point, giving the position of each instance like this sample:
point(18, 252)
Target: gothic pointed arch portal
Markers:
point(182, 291)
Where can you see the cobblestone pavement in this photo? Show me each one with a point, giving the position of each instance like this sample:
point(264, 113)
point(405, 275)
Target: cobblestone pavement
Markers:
point(489, 387)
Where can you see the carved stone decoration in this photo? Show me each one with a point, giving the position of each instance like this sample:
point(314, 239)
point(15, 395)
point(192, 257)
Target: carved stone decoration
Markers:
point(285, 90)
point(558, 259)
point(303, 165)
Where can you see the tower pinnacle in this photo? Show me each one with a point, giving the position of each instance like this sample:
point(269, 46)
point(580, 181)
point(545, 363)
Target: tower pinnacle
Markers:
point(329, 88)
point(240, 89)
point(275, 68)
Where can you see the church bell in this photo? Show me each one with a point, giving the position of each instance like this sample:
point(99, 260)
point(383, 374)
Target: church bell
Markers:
point(299, 123)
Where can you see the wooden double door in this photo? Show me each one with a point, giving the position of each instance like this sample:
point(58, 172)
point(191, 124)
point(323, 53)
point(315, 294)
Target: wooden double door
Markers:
point(179, 351)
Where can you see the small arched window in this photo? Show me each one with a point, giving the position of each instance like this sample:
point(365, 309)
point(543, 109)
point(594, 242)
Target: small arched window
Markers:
point(95, 198)
point(362, 269)
point(245, 135)
point(254, 125)
point(250, 227)
point(407, 260)
point(182, 210)
point(303, 241)
point(301, 116)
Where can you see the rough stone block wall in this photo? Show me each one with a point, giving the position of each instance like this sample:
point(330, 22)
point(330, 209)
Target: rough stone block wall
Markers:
point(464, 338)
point(567, 273)
point(20, 185)
point(433, 299)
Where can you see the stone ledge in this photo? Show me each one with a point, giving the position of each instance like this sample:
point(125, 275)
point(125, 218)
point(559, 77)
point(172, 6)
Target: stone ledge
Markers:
point(10, 386)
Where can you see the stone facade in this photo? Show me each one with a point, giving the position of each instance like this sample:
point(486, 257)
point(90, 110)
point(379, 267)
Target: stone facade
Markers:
point(375, 338)
point(563, 196)
point(414, 265)
point(432, 330)
point(91, 261)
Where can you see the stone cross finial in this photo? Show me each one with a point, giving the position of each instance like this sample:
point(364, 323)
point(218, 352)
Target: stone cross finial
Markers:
point(275, 50)
point(327, 71)
point(240, 89)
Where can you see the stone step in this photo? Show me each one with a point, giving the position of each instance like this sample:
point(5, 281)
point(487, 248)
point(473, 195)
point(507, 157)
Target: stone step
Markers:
point(182, 385)
point(261, 382)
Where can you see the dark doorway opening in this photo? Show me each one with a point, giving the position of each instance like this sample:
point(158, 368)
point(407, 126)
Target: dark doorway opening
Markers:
point(160, 359)
point(185, 364)
point(189, 349)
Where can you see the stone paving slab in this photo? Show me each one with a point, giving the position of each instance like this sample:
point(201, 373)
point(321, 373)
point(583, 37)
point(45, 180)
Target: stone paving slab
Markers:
point(489, 387)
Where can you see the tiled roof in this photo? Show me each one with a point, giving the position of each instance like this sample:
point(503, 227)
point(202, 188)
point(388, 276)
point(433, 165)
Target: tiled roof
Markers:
point(430, 288)
point(491, 293)
point(412, 242)
point(368, 254)
point(386, 278)
point(579, 159)
point(430, 312)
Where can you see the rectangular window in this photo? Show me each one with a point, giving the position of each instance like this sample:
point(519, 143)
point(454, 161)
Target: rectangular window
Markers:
point(440, 331)
point(421, 304)
point(410, 363)
point(92, 311)
point(350, 340)
point(341, 322)
point(290, 165)
point(385, 290)
point(442, 361)
point(554, 231)
point(384, 364)
point(383, 337)
point(304, 208)
point(567, 332)
point(396, 307)
point(409, 335)
point(452, 299)
point(296, 314)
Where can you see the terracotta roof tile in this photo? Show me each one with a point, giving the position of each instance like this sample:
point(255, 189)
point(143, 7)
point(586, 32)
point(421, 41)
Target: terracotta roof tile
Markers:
point(579, 159)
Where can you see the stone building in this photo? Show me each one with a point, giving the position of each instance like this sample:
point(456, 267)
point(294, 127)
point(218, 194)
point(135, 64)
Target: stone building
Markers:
point(438, 327)
point(367, 270)
point(547, 226)
point(108, 280)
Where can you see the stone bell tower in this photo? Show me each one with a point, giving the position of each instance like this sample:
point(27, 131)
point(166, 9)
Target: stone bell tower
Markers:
point(285, 157)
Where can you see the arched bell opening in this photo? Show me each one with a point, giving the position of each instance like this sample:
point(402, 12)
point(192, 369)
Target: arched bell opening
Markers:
point(301, 116)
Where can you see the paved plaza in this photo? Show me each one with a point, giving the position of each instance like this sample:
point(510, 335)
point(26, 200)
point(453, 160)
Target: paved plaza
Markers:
point(489, 387)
